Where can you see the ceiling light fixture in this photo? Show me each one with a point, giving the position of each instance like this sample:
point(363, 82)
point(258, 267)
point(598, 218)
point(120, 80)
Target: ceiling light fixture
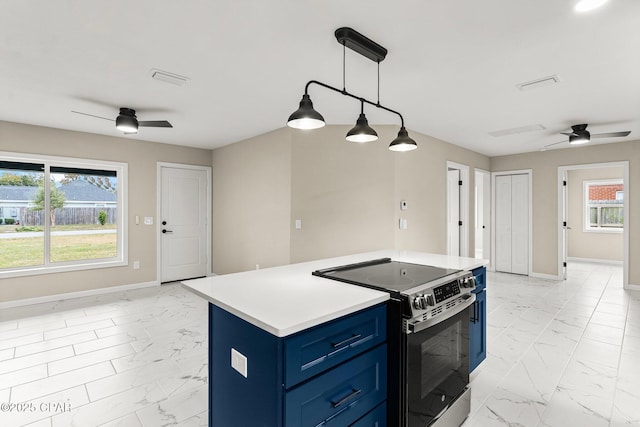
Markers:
point(579, 139)
point(587, 5)
point(306, 117)
point(127, 121)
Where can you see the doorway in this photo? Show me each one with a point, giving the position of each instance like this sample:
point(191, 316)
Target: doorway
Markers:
point(511, 248)
point(457, 209)
point(184, 232)
point(482, 214)
point(587, 230)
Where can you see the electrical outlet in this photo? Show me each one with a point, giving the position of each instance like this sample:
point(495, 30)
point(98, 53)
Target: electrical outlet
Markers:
point(239, 362)
point(136, 265)
point(148, 220)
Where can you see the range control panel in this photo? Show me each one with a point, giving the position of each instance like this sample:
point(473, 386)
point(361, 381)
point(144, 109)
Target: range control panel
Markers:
point(446, 291)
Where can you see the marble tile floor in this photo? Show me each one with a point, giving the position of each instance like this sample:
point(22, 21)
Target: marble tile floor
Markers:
point(560, 354)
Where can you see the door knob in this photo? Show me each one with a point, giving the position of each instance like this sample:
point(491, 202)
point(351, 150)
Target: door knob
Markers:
point(166, 231)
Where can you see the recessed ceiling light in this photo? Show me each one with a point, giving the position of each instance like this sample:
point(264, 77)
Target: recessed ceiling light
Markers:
point(167, 77)
point(587, 5)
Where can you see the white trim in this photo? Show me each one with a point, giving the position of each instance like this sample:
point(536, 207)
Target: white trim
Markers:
point(625, 233)
point(77, 294)
point(464, 206)
point(545, 276)
point(488, 220)
point(122, 236)
point(595, 261)
point(586, 219)
point(528, 172)
point(159, 167)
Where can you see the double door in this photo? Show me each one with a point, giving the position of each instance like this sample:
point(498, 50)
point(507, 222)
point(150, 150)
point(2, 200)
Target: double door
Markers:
point(512, 223)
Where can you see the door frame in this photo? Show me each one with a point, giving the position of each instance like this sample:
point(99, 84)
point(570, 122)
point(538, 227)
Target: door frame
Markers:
point(464, 206)
point(529, 173)
point(159, 167)
point(562, 248)
point(486, 202)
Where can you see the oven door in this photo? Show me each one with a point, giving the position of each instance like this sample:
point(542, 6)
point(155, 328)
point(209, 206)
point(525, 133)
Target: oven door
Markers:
point(437, 368)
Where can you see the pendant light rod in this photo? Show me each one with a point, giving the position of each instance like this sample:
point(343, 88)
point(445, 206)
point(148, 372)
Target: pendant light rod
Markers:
point(345, 93)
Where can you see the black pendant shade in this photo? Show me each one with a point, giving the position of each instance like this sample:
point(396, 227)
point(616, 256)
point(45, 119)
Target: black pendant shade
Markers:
point(362, 132)
point(403, 142)
point(305, 117)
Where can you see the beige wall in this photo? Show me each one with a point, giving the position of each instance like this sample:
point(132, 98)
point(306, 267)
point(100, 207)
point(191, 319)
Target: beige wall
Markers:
point(142, 158)
point(584, 244)
point(346, 195)
point(252, 203)
point(545, 196)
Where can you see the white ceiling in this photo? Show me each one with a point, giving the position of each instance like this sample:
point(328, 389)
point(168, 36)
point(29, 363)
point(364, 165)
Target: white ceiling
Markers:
point(451, 70)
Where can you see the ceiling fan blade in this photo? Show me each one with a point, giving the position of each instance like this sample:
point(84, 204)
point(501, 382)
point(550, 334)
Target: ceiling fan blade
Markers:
point(555, 143)
point(155, 124)
point(611, 134)
point(567, 133)
point(93, 115)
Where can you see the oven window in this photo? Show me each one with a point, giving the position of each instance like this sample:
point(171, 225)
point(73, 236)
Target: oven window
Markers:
point(437, 368)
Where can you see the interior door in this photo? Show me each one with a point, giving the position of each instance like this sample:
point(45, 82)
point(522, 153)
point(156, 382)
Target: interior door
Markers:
point(483, 215)
point(453, 212)
point(520, 224)
point(183, 227)
point(503, 223)
point(565, 227)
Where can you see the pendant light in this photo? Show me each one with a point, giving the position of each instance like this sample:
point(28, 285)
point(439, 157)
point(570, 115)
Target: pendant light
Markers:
point(362, 132)
point(306, 117)
point(403, 142)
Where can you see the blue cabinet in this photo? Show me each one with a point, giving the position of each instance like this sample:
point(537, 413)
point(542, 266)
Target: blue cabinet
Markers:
point(334, 373)
point(478, 326)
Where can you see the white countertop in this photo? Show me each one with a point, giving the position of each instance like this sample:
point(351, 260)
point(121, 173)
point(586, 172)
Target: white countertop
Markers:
point(288, 299)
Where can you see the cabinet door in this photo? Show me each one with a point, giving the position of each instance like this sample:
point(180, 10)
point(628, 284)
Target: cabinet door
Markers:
point(342, 395)
point(478, 331)
point(375, 418)
point(316, 350)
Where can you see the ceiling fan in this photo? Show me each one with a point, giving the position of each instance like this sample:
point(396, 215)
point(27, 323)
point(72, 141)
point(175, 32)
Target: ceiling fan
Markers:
point(580, 135)
point(128, 122)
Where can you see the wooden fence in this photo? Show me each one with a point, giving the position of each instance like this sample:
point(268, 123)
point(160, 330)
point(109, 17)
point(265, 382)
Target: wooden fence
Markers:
point(66, 216)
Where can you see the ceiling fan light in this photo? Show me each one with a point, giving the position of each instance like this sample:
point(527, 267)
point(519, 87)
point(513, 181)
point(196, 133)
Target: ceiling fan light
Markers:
point(578, 139)
point(587, 5)
point(126, 123)
point(403, 142)
point(362, 132)
point(305, 117)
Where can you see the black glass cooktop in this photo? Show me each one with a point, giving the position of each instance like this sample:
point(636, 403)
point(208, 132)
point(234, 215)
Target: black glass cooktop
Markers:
point(385, 274)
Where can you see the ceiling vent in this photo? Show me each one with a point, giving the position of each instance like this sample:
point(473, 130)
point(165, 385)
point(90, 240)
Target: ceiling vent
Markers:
point(167, 77)
point(515, 131)
point(534, 84)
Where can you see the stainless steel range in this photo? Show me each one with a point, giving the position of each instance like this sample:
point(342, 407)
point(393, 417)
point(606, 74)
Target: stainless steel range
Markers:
point(428, 335)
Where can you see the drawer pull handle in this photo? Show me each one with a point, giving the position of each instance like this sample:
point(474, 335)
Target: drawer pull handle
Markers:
point(342, 401)
point(348, 340)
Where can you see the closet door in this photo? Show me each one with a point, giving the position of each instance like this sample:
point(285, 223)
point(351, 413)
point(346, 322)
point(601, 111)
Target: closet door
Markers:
point(503, 223)
point(512, 223)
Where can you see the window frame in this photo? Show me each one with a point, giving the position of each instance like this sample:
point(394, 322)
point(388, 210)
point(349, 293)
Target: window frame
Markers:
point(586, 207)
point(121, 258)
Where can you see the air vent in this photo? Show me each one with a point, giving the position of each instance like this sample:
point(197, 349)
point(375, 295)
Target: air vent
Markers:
point(534, 84)
point(515, 131)
point(167, 77)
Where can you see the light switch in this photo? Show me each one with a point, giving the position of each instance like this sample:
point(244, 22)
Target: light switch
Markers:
point(148, 220)
point(239, 362)
point(403, 224)
point(298, 224)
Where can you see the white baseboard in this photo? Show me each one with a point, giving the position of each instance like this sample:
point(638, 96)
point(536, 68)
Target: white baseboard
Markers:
point(595, 261)
point(78, 294)
point(631, 287)
point(545, 276)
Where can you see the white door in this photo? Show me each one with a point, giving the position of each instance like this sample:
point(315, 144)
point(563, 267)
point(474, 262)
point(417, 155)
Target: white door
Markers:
point(503, 223)
point(512, 223)
point(183, 223)
point(453, 212)
point(565, 226)
point(520, 224)
point(483, 215)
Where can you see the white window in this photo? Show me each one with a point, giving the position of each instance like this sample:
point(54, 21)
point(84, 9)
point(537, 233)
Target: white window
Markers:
point(603, 206)
point(64, 214)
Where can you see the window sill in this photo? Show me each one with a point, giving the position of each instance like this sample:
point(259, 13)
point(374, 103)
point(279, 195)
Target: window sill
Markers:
point(63, 268)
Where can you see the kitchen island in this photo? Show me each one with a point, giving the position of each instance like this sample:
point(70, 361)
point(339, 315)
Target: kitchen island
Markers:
point(286, 347)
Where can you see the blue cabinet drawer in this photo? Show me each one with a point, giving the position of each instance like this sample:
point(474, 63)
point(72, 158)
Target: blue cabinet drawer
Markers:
point(316, 350)
point(341, 396)
point(375, 418)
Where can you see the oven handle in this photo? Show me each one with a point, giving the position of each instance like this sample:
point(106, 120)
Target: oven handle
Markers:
point(420, 326)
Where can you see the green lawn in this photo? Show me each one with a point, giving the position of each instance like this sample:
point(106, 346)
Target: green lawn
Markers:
point(23, 252)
